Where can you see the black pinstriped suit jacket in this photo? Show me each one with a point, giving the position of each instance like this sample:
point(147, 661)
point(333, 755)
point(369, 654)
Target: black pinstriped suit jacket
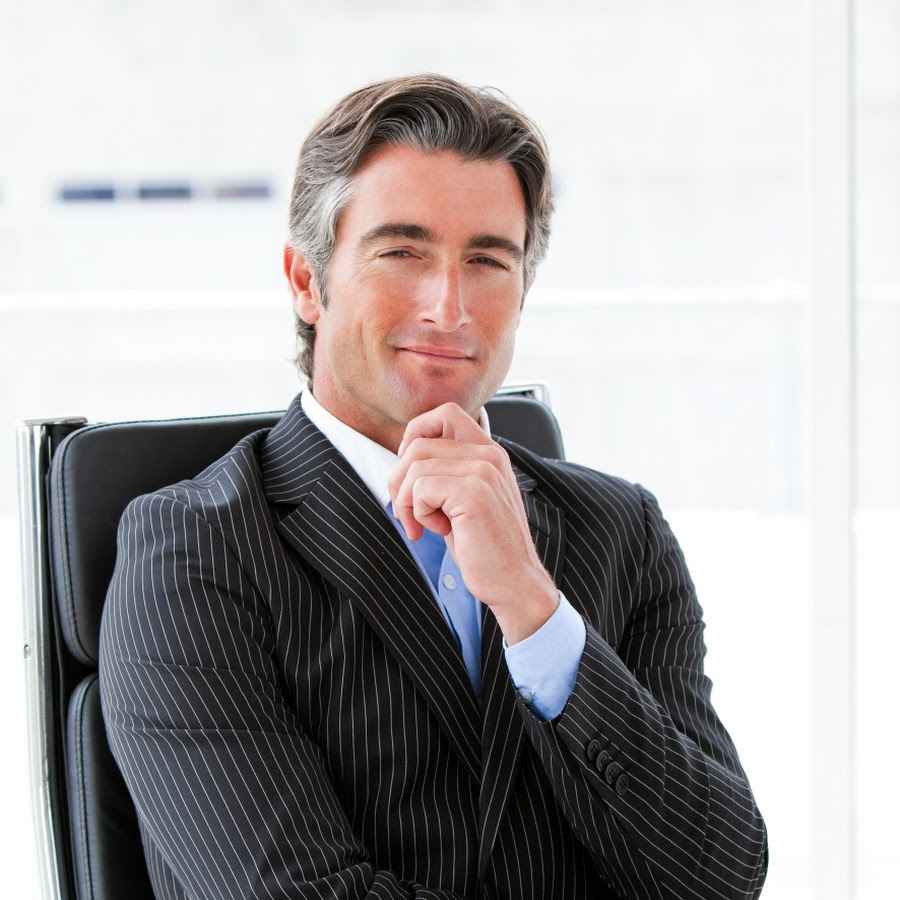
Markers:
point(293, 719)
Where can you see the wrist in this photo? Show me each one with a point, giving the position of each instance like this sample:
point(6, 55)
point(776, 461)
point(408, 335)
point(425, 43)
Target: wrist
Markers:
point(529, 611)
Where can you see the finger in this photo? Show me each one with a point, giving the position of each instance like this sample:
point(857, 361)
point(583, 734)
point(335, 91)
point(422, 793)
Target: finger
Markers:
point(449, 420)
point(403, 504)
point(434, 520)
point(415, 522)
point(436, 500)
point(442, 448)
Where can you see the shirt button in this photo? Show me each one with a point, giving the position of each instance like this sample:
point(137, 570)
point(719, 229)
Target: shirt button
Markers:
point(449, 581)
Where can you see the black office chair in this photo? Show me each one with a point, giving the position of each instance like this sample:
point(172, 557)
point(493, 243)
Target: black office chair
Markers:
point(75, 479)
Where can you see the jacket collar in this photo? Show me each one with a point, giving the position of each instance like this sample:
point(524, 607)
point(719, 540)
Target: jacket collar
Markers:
point(328, 516)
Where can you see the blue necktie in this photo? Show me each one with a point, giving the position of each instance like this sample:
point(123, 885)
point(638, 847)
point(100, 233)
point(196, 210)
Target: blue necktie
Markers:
point(461, 610)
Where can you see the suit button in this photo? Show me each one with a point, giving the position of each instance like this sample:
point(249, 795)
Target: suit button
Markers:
point(603, 757)
point(622, 784)
point(612, 771)
point(593, 748)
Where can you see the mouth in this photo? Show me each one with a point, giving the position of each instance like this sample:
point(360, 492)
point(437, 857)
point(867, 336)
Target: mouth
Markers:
point(442, 356)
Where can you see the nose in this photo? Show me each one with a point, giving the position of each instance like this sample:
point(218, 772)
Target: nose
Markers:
point(445, 302)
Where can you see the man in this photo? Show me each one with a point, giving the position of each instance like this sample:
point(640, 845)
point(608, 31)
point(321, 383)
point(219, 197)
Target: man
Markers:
point(376, 652)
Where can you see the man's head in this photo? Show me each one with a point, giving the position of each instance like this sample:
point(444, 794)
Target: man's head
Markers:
point(420, 211)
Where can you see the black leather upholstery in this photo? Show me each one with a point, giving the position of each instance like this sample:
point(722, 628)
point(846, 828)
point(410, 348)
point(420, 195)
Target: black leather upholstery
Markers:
point(94, 473)
point(107, 852)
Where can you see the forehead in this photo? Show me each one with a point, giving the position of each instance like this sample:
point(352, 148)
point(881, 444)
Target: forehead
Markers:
point(439, 190)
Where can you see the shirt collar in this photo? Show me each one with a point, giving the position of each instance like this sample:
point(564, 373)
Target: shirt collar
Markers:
point(372, 462)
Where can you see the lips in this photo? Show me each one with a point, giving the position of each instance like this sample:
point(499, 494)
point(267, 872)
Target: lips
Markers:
point(438, 353)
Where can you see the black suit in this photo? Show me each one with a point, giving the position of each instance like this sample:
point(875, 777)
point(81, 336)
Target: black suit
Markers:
point(293, 718)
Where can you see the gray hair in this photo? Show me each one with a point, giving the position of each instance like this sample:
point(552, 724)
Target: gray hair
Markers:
point(429, 113)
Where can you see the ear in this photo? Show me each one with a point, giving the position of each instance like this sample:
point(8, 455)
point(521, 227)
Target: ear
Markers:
point(304, 289)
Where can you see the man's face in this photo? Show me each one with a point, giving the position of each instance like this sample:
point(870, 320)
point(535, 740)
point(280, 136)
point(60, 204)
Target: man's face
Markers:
point(428, 253)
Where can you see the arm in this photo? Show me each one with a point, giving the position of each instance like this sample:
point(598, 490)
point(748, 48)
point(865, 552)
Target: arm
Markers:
point(236, 797)
point(639, 761)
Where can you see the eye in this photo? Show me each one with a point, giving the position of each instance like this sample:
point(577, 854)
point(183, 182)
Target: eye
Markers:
point(490, 261)
point(397, 253)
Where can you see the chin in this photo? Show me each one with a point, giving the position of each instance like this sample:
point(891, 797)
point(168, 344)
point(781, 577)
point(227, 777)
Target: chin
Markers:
point(420, 398)
point(424, 387)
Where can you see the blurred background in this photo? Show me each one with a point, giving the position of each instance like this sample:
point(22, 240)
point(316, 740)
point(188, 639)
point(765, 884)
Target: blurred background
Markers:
point(718, 317)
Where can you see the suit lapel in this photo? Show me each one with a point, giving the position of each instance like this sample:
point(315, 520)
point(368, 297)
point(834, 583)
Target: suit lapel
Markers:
point(339, 529)
point(335, 524)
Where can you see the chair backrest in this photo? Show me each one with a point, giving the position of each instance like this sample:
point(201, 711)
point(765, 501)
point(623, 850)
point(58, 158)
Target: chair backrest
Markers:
point(75, 480)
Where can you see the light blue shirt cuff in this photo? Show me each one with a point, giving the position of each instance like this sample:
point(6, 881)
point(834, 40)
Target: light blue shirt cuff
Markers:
point(543, 666)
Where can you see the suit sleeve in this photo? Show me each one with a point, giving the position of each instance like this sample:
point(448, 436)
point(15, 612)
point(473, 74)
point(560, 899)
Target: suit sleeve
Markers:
point(233, 794)
point(639, 761)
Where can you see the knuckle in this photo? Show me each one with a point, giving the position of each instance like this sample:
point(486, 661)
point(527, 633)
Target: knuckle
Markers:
point(498, 454)
point(498, 461)
point(486, 469)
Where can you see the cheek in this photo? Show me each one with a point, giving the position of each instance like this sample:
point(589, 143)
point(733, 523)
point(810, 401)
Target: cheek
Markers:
point(384, 304)
point(506, 345)
point(505, 341)
point(503, 318)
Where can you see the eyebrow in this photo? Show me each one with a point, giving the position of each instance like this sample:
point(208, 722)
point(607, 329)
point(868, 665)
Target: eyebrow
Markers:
point(421, 233)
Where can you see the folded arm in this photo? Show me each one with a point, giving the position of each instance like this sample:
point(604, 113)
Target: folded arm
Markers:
point(640, 762)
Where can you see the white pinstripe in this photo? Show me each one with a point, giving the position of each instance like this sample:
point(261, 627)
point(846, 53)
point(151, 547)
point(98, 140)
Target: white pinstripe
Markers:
point(293, 718)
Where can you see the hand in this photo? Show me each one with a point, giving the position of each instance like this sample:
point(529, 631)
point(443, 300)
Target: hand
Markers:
point(454, 480)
